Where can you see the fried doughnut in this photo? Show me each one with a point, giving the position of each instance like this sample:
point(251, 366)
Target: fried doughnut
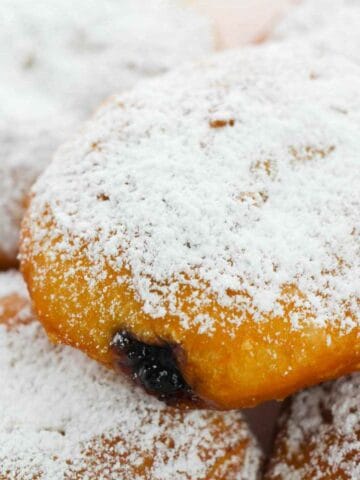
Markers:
point(59, 60)
point(209, 218)
point(66, 417)
point(329, 25)
point(319, 434)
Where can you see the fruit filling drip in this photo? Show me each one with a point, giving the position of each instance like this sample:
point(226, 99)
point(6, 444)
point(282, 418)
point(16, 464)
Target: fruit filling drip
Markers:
point(152, 366)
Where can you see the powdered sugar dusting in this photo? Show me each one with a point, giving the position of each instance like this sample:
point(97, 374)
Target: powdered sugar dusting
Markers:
point(12, 283)
point(66, 417)
point(330, 25)
point(239, 174)
point(59, 60)
point(319, 436)
point(79, 52)
point(27, 144)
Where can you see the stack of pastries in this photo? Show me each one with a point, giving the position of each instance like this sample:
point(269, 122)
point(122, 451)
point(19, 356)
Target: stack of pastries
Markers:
point(198, 236)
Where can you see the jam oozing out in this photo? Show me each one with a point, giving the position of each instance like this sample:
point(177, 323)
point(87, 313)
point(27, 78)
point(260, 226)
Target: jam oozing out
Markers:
point(153, 366)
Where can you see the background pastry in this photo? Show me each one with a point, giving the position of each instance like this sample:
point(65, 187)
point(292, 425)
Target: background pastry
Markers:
point(318, 435)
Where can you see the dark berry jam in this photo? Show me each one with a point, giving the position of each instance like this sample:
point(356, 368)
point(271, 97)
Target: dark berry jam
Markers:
point(154, 367)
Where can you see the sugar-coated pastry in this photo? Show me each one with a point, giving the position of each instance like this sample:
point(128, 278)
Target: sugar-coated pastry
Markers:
point(210, 221)
point(66, 417)
point(27, 143)
point(330, 25)
point(59, 60)
point(319, 434)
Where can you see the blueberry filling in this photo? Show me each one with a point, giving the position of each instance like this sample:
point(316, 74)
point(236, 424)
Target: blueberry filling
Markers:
point(153, 366)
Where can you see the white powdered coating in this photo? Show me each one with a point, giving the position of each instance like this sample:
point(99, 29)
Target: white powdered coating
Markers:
point(79, 52)
point(11, 283)
point(325, 419)
point(330, 25)
point(26, 146)
point(59, 60)
point(270, 198)
point(56, 402)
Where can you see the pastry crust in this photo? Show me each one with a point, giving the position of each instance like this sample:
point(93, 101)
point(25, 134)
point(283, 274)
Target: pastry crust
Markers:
point(215, 216)
point(69, 418)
